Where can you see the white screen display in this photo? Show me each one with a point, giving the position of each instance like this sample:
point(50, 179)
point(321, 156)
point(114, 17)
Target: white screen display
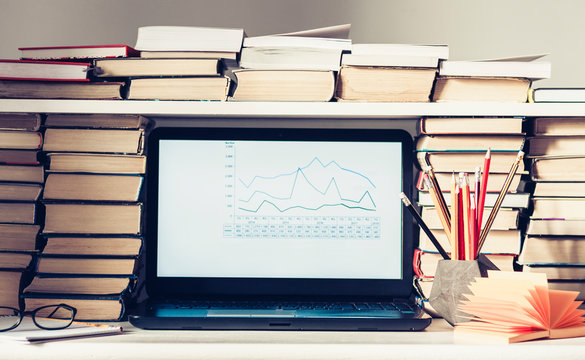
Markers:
point(280, 209)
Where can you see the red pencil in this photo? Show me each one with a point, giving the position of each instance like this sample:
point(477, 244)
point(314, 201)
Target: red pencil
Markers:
point(482, 193)
point(472, 229)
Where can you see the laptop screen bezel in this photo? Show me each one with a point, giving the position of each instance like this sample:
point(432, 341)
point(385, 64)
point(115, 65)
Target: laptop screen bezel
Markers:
point(191, 287)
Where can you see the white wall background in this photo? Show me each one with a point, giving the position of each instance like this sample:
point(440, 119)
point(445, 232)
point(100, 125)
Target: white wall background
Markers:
point(472, 29)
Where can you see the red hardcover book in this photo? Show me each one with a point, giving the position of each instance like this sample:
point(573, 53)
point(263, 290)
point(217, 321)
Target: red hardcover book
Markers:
point(78, 52)
point(43, 70)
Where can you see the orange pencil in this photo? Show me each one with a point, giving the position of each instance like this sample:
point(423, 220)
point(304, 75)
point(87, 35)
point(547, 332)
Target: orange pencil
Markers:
point(482, 193)
point(473, 228)
point(438, 207)
point(455, 220)
point(465, 210)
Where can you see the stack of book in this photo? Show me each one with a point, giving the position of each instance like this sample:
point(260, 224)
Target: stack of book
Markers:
point(21, 183)
point(92, 214)
point(178, 63)
point(299, 66)
point(389, 72)
point(63, 72)
point(556, 232)
point(450, 146)
point(501, 80)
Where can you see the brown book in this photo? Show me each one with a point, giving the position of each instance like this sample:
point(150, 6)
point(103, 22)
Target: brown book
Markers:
point(561, 189)
point(97, 163)
point(471, 125)
point(73, 218)
point(90, 90)
point(284, 85)
point(574, 227)
point(561, 146)
point(19, 157)
point(10, 139)
point(20, 192)
point(93, 309)
point(17, 212)
point(111, 121)
point(555, 169)
point(388, 84)
point(453, 89)
point(180, 88)
point(92, 187)
point(558, 208)
point(85, 266)
point(94, 140)
point(22, 173)
point(10, 289)
point(119, 246)
point(555, 126)
point(89, 285)
point(553, 250)
point(20, 121)
point(467, 161)
point(18, 237)
point(558, 272)
point(128, 67)
point(469, 143)
point(15, 260)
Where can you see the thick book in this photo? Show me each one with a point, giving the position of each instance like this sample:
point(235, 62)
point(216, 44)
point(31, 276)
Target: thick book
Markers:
point(77, 52)
point(298, 41)
point(104, 121)
point(527, 68)
point(387, 84)
point(425, 262)
point(44, 70)
point(22, 173)
point(557, 271)
point(18, 212)
point(92, 245)
point(469, 143)
point(509, 307)
point(102, 187)
point(284, 85)
point(552, 168)
point(95, 90)
point(390, 51)
point(19, 237)
point(467, 161)
point(497, 242)
point(88, 285)
point(231, 55)
point(10, 284)
point(128, 67)
point(547, 250)
point(91, 218)
point(574, 187)
point(55, 264)
point(204, 88)
point(505, 219)
point(15, 260)
point(20, 191)
point(20, 121)
point(97, 163)
point(89, 308)
point(19, 157)
point(290, 58)
point(558, 95)
point(189, 38)
point(556, 146)
point(558, 126)
point(574, 227)
point(558, 208)
point(20, 139)
point(94, 140)
point(457, 89)
point(471, 125)
point(516, 200)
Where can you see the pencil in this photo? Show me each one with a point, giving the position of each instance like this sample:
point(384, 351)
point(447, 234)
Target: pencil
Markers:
point(482, 193)
point(440, 210)
point(476, 190)
point(454, 218)
point(499, 201)
point(472, 228)
point(433, 178)
point(423, 226)
point(465, 209)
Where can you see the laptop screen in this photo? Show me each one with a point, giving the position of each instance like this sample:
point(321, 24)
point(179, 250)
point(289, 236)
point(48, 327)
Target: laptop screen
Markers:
point(280, 204)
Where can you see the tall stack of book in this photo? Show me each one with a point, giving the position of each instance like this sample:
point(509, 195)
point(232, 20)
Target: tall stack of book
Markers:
point(299, 66)
point(178, 63)
point(92, 214)
point(21, 183)
point(555, 241)
point(389, 72)
point(451, 146)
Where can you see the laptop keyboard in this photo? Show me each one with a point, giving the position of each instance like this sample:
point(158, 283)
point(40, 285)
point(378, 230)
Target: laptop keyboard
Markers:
point(402, 307)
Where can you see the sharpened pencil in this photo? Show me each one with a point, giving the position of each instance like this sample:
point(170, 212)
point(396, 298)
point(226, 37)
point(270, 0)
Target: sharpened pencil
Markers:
point(441, 199)
point(454, 218)
point(440, 210)
point(423, 226)
point(484, 181)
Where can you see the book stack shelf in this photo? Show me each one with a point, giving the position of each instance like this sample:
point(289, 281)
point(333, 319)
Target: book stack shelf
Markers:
point(555, 236)
point(93, 214)
point(21, 183)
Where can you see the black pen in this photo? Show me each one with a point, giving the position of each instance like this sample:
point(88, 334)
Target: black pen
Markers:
point(424, 226)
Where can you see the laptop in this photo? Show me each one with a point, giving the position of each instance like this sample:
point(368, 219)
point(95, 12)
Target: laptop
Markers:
point(278, 229)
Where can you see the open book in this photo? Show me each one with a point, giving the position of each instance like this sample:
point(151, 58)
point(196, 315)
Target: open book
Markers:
point(508, 307)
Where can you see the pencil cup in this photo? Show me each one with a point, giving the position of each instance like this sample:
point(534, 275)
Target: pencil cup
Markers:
point(451, 283)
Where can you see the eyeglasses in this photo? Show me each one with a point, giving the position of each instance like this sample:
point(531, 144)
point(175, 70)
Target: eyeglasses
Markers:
point(50, 317)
